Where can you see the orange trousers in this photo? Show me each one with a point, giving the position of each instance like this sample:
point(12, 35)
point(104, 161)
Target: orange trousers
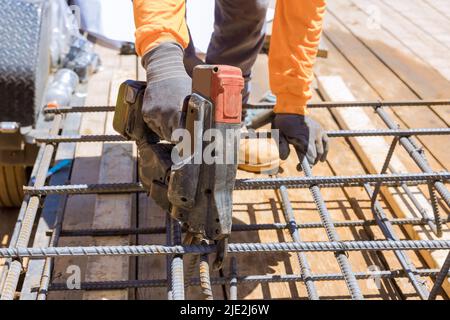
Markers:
point(297, 28)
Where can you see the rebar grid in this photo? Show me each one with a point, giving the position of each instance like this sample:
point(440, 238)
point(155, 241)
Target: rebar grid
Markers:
point(389, 180)
point(301, 257)
point(55, 139)
point(234, 279)
point(174, 251)
point(349, 104)
point(26, 225)
point(238, 248)
point(247, 227)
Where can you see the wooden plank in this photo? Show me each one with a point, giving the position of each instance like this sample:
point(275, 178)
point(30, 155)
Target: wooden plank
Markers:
point(440, 6)
point(343, 161)
point(53, 203)
point(114, 211)
point(425, 81)
point(373, 152)
point(377, 74)
point(8, 217)
point(421, 44)
point(263, 207)
point(338, 202)
point(337, 64)
point(425, 17)
point(251, 207)
point(150, 215)
point(375, 71)
point(79, 211)
point(151, 267)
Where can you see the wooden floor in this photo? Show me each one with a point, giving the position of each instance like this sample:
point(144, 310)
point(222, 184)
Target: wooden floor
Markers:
point(391, 50)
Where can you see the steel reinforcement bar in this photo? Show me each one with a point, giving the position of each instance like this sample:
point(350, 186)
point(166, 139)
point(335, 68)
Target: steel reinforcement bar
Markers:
point(175, 251)
point(295, 235)
point(359, 104)
point(246, 227)
point(258, 183)
point(331, 134)
point(155, 283)
point(26, 226)
point(389, 233)
point(349, 104)
point(307, 246)
point(412, 149)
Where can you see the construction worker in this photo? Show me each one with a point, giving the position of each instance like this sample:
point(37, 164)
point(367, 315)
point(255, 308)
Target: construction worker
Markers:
point(163, 41)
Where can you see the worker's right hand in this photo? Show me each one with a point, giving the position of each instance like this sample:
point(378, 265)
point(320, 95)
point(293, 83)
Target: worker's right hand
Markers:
point(168, 85)
point(304, 134)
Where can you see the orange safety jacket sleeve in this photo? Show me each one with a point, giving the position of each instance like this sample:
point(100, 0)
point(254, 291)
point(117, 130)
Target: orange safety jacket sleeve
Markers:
point(297, 28)
point(159, 21)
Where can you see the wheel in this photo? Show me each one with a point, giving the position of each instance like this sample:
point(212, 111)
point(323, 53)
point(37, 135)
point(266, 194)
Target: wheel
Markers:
point(12, 180)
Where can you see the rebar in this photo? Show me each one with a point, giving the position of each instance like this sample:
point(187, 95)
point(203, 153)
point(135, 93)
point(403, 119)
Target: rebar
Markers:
point(45, 280)
point(48, 265)
point(12, 278)
point(175, 251)
point(205, 280)
point(435, 207)
point(247, 227)
point(77, 109)
point(387, 229)
point(388, 132)
point(338, 181)
point(233, 279)
point(169, 258)
point(422, 211)
point(258, 183)
point(155, 283)
point(306, 246)
point(331, 134)
point(20, 217)
point(340, 255)
point(349, 104)
point(301, 257)
point(177, 272)
point(80, 138)
point(23, 208)
point(359, 104)
point(415, 155)
point(440, 278)
point(383, 170)
point(389, 233)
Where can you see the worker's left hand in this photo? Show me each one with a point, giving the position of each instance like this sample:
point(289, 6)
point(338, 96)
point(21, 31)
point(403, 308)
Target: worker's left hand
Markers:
point(305, 134)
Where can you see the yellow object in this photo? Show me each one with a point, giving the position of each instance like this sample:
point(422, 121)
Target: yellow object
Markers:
point(12, 180)
point(297, 28)
point(259, 156)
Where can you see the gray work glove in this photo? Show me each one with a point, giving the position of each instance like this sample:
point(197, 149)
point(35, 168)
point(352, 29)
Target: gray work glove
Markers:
point(305, 134)
point(167, 86)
